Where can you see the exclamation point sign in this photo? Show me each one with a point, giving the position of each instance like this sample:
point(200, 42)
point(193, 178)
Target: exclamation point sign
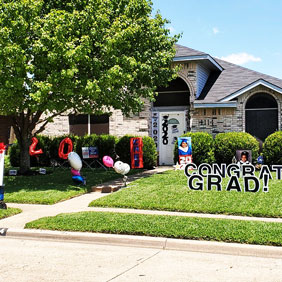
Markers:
point(265, 182)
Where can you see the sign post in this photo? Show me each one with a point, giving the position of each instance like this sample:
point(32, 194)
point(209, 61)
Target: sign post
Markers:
point(136, 152)
point(184, 151)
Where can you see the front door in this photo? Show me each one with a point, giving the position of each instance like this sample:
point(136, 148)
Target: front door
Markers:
point(172, 125)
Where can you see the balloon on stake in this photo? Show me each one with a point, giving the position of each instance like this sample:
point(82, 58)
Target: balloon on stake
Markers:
point(76, 165)
point(108, 161)
point(122, 168)
point(75, 161)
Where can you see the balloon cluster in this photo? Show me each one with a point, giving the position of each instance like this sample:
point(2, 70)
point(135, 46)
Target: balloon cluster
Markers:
point(76, 165)
point(119, 167)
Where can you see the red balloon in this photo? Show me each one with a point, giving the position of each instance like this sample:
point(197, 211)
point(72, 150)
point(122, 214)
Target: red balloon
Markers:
point(32, 152)
point(2, 148)
point(66, 141)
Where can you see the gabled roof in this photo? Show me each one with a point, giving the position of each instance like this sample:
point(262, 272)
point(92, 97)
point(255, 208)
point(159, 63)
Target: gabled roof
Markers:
point(184, 54)
point(234, 78)
point(182, 51)
point(231, 81)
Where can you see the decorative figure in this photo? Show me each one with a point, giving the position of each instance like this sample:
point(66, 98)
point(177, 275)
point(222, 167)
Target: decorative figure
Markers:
point(76, 165)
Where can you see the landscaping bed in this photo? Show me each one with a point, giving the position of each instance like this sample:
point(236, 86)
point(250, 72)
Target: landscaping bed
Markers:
point(169, 191)
point(250, 232)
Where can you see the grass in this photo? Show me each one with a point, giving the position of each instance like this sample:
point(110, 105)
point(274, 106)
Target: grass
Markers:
point(9, 212)
point(250, 232)
point(52, 188)
point(169, 191)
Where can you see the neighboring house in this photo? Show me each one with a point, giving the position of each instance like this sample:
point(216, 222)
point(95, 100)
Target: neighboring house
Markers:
point(209, 95)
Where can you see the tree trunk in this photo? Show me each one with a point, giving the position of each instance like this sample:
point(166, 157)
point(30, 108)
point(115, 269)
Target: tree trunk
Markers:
point(23, 134)
point(24, 156)
point(24, 124)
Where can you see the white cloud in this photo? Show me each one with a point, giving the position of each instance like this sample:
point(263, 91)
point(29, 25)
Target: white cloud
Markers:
point(241, 58)
point(215, 30)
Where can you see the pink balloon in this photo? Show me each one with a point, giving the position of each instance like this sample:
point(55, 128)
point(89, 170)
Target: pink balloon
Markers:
point(108, 161)
point(75, 172)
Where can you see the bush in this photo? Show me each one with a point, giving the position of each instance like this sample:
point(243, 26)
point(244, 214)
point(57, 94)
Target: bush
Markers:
point(14, 154)
point(149, 150)
point(226, 145)
point(272, 148)
point(104, 143)
point(202, 147)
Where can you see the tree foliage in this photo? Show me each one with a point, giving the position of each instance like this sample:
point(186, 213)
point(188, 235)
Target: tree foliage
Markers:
point(85, 55)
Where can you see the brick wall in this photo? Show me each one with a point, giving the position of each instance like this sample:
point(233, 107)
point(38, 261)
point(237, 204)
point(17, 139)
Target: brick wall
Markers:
point(229, 119)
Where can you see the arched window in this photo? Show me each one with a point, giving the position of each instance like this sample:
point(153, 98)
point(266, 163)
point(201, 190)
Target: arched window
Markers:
point(261, 115)
point(176, 94)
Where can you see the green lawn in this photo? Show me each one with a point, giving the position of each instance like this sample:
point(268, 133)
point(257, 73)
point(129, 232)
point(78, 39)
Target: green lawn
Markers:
point(169, 191)
point(52, 188)
point(251, 232)
point(9, 212)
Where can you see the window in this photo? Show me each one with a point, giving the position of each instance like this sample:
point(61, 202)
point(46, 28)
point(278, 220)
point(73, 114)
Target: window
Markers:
point(89, 124)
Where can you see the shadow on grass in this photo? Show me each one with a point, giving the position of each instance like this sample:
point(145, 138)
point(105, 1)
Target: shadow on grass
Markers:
point(52, 187)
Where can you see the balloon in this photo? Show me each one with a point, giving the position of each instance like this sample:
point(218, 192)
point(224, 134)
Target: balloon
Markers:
point(32, 147)
point(108, 161)
point(75, 161)
point(2, 148)
point(77, 179)
point(75, 172)
point(61, 153)
point(121, 168)
point(126, 168)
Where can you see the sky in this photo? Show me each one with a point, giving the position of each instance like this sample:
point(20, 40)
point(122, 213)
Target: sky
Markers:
point(244, 32)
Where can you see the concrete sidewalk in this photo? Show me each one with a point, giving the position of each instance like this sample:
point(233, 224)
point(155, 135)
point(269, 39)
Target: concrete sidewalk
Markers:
point(14, 226)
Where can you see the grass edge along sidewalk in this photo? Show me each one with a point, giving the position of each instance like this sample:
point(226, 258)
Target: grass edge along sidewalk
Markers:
point(169, 191)
point(237, 231)
point(9, 212)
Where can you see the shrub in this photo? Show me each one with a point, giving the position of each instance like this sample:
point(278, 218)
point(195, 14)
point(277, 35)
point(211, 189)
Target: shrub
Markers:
point(104, 143)
point(272, 148)
point(226, 145)
point(149, 150)
point(14, 154)
point(202, 147)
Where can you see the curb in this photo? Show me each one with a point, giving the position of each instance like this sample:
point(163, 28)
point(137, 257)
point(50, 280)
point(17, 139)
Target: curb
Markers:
point(149, 242)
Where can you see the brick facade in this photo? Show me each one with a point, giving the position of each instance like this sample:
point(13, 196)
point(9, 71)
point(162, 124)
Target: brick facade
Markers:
point(211, 120)
point(217, 120)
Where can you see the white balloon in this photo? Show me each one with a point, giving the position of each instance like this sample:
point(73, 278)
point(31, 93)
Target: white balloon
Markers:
point(75, 161)
point(118, 167)
point(126, 168)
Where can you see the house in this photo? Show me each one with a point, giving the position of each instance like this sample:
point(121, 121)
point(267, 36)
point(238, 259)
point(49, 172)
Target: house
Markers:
point(209, 95)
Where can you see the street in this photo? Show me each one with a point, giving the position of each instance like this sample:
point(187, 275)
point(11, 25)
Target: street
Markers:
point(36, 260)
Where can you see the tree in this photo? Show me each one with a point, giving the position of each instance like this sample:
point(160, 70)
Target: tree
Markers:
point(86, 55)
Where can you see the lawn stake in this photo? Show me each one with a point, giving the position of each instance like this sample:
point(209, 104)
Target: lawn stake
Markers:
point(2, 162)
